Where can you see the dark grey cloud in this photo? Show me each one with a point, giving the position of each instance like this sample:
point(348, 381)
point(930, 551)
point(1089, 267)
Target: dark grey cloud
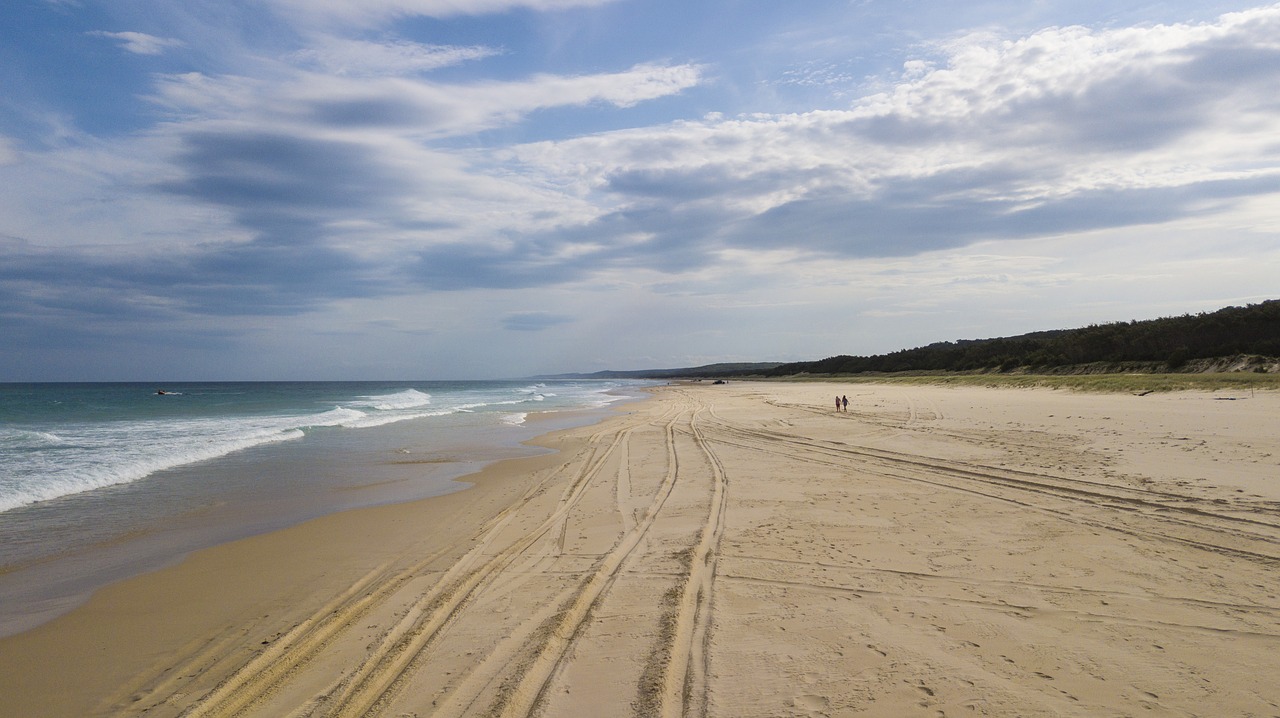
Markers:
point(1134, 111)
point(286, 193)
point(900, 129)
point(262, 277)
point(673, 238)
point(903, 223)
point(253, 278)
point(534, 321)
point(522, 264)
point(1227, 64)
point(685, 184)
point(659, 237)
point(260, 174)
point(901, 218)
point(282, 190)
point(373, 112)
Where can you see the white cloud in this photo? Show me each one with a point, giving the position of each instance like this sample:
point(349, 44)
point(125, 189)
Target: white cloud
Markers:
point(140, 43)
point(311, 102)
point(343, 173)
point(361, 58)
point(349, 163)
point(414, 106)
point(1065, 130)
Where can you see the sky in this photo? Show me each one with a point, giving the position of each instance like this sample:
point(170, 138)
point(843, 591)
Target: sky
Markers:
point(437, 189)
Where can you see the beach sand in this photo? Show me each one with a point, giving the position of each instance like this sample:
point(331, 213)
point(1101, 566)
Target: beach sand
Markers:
point(742, 550)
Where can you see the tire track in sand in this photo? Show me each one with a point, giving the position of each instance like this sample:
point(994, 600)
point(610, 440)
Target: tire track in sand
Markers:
point(1159, 515)
point(522, 700)
point(684, 690)
point(256, 681)
point(378, 677)
point(505, 666)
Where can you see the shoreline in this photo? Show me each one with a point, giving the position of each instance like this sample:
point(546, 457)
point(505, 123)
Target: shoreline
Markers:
point(212, 588)
point(740, 550)
point(42, 586)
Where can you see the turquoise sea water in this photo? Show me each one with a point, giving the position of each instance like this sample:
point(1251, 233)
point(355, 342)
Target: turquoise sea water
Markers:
point(100, 481)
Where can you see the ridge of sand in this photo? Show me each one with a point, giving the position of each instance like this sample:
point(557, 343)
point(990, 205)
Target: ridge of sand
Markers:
point(742, 550)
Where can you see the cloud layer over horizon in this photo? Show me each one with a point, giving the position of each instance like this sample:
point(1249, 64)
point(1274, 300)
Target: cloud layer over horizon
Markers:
point(399, 188)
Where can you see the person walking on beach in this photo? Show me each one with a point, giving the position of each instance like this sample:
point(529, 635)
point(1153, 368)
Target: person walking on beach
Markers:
point(845, 399)
point(837, 403)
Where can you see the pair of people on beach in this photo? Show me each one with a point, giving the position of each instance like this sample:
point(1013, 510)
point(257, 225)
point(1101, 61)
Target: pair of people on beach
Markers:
point(842, 403)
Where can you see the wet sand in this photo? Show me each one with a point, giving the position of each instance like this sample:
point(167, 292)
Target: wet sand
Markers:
point(742, 550)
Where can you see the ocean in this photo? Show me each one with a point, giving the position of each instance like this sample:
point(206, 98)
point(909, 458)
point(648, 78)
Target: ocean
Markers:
point(99, 481)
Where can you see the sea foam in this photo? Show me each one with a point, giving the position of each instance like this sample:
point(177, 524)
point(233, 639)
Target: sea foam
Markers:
point(407, 399)
point(76, 438)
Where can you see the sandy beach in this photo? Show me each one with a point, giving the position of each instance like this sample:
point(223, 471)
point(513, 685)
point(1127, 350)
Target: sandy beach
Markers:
point(742, 550)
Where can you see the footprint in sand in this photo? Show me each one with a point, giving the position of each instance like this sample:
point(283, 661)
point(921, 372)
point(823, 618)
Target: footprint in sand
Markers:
point(811, 703)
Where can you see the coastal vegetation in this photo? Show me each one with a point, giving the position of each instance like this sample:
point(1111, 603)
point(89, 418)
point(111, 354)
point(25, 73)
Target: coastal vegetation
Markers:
point(1135, 383)
point(1229, 339)
point(1235, 347)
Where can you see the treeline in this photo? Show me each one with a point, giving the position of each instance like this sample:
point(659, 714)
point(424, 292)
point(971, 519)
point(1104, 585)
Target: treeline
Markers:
point(1174, 341)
